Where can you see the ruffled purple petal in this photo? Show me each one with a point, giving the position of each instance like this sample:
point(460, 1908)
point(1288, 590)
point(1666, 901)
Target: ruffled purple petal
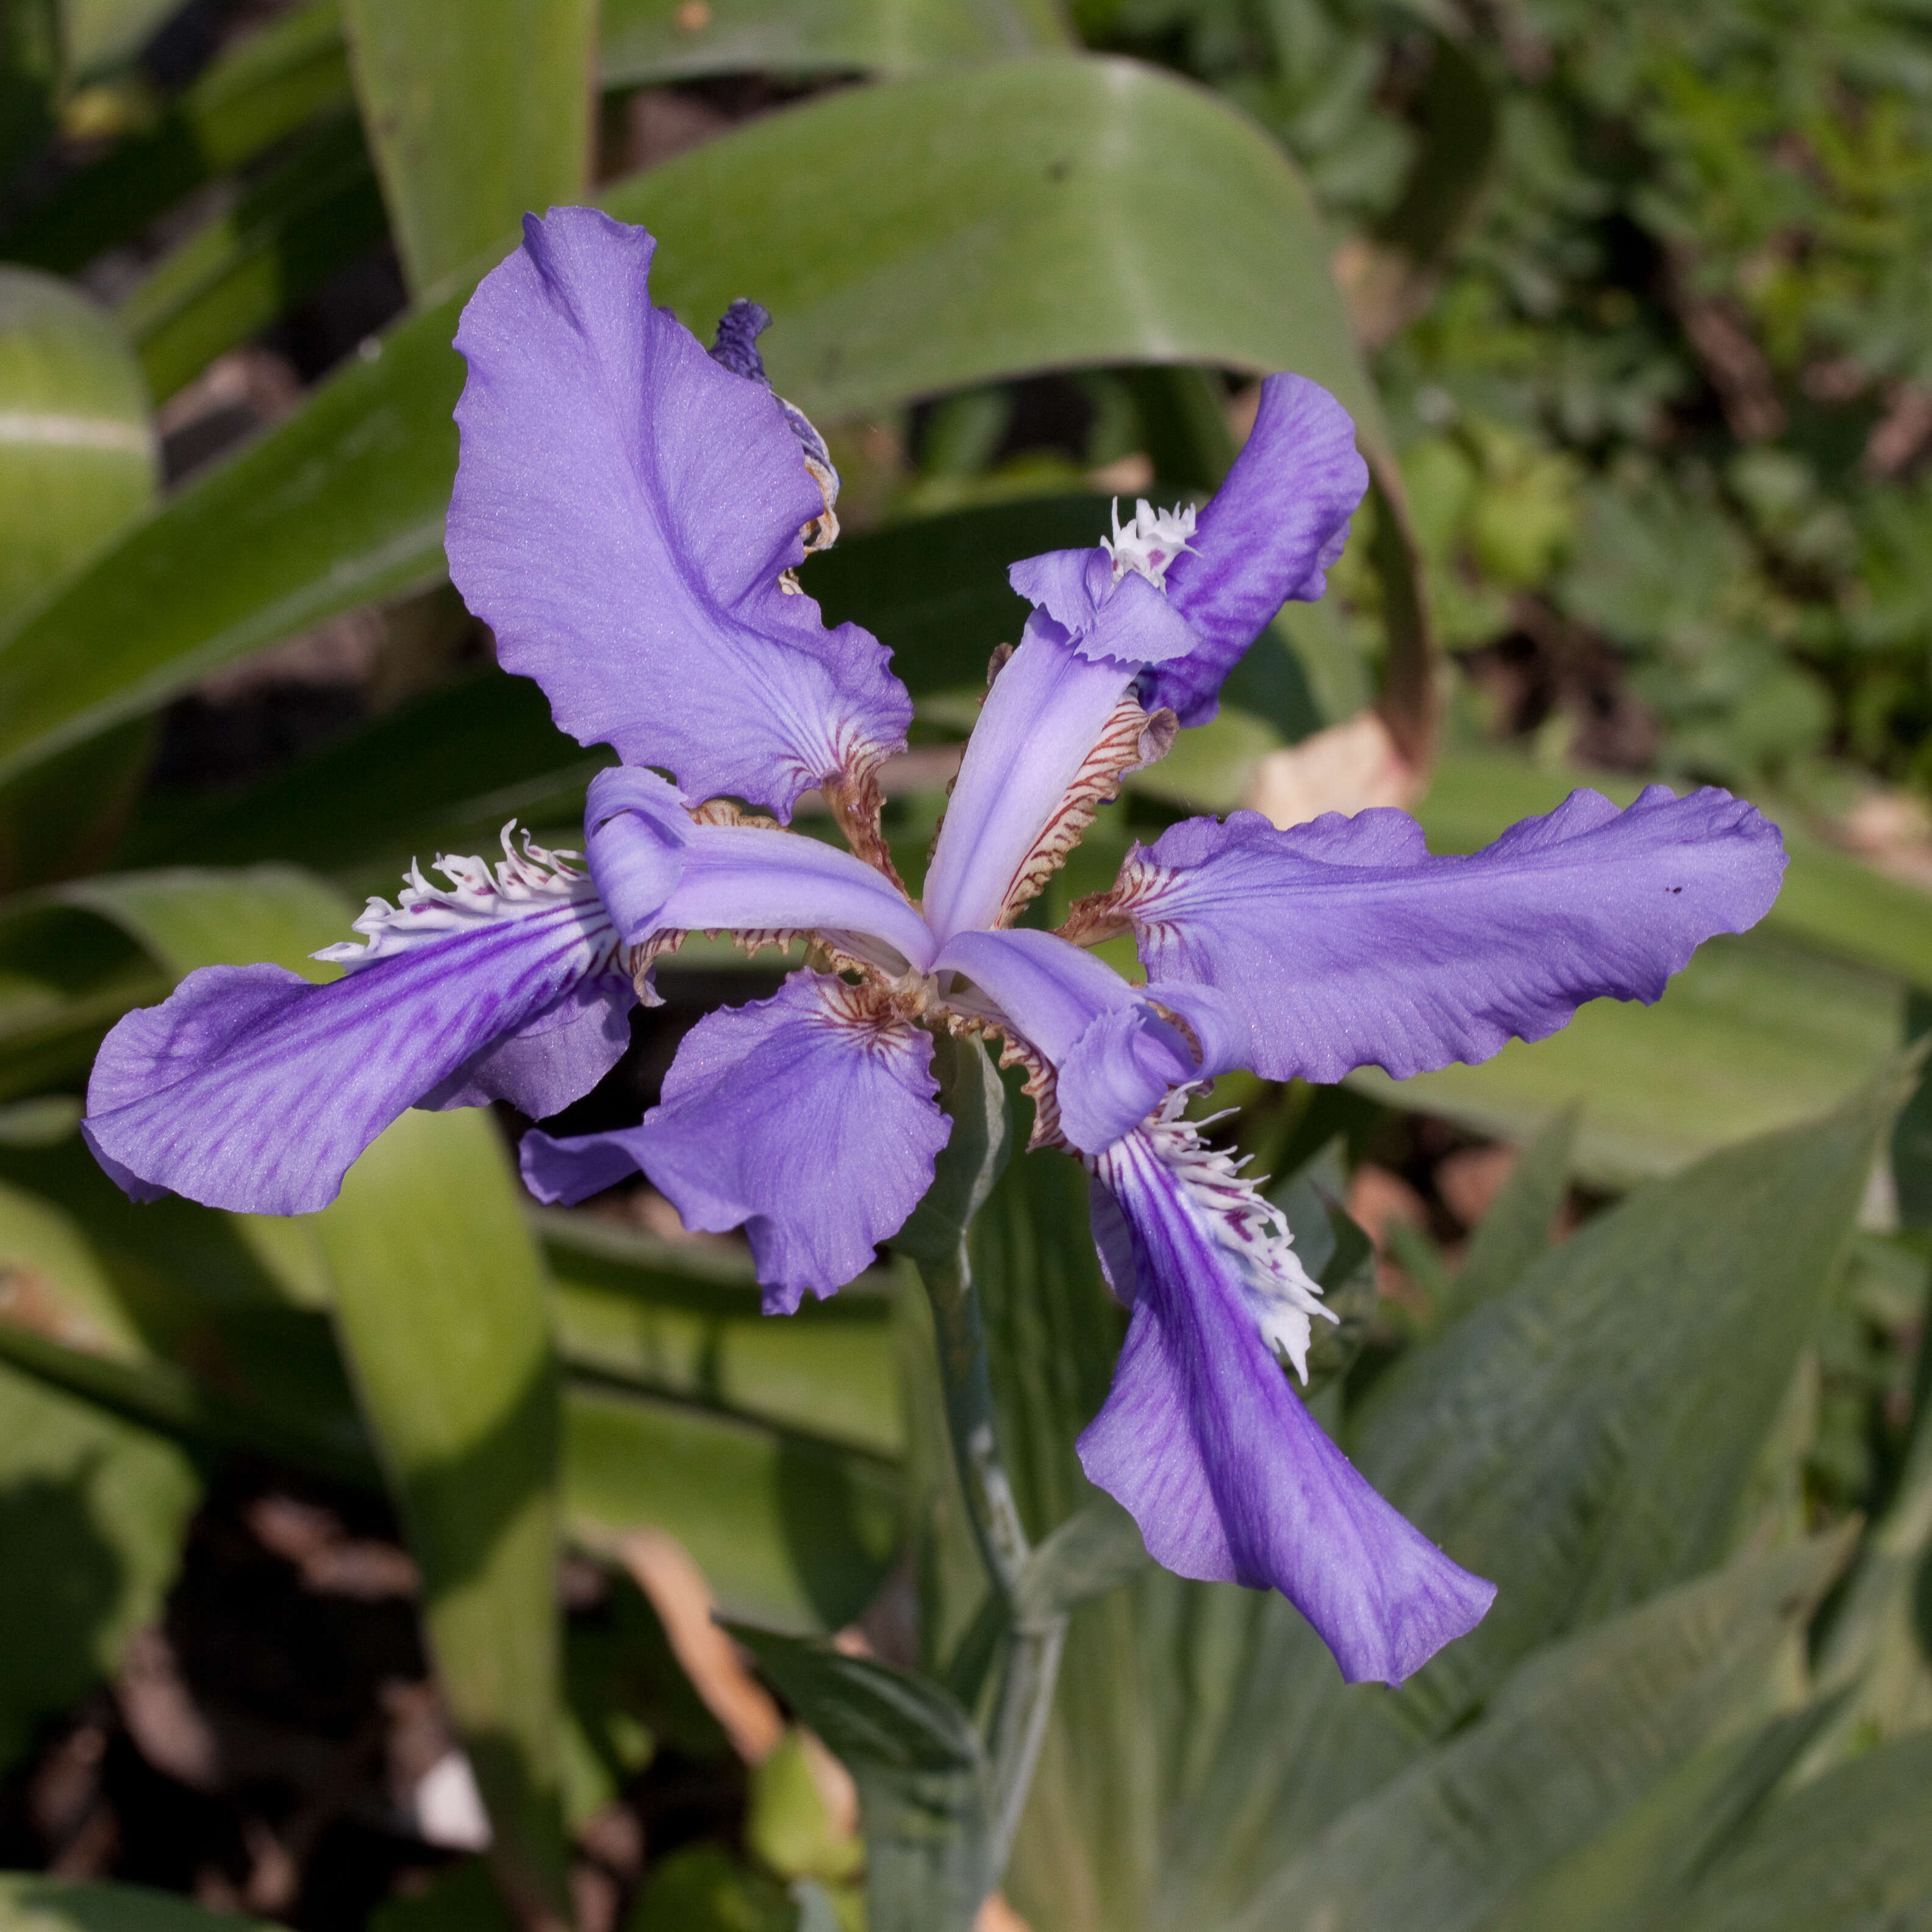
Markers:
point(1115, 1054)
point(249, 1088)
point(1130, 622)
point(624, 506)
point(1047, 708)
point(1228, 1476)
point(809, 1119)
point(659, 872)
point(1345, 944)
point(1269, 534)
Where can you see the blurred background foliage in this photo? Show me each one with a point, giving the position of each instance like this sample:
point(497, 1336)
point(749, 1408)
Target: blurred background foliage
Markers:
point(335, 1553)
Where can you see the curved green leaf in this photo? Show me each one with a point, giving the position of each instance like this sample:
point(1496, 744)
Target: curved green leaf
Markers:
point(1849, 1849)
point(78, 461)
point(1580, 1734)
point(475, 110)
point(656, 40)
point(78, 457)
point(314, 213)
point(914, 237)
point(439, 1293)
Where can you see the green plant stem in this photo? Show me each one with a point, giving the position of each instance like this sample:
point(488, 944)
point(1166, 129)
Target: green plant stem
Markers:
point(936, 1238)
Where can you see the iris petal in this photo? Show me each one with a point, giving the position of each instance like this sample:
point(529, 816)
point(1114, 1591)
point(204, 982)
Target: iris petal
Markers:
point(1230, 1478)
point(1344, 944)
point(250, 1088)
point(624, 507)
point(808, 1119)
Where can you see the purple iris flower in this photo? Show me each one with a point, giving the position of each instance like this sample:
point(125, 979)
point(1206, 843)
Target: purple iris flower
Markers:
point(628, 513)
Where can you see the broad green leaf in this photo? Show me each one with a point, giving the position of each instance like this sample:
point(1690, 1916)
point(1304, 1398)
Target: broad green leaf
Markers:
point(649, 41)
point(1875, 1647)
point(92, 1514)
point(1588, 1437)
point(65, 978)
point(440, 1302)
point(787, 1527)
point(1582, 1733)
point(922, 1775)
point(258, 93)
point(682, 1320)
point(476, 110)
point(1754, 1034)
point(914, 237)
point(1848, 1850)
point(316, 212)
point(78, 456)
point(439, 1294)
point(1617, 1880)
point(31, 1902)
point(1517, 1230)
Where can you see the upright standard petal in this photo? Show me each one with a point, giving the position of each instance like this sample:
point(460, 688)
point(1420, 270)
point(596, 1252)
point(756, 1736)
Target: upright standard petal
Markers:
point(1346, 944)
point(1056, 731)
point(808, 1119)
point(249, 1088)
point(1228, 1476)
point(624, 506)
point(1269, 534)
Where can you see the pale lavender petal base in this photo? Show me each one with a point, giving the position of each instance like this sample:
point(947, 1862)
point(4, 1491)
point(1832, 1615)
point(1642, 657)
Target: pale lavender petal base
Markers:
point(1345, 944)
point(1228, 1476)
point(804, 1118)
point(250, 1089)
point(1043, 716)
point(624, 506)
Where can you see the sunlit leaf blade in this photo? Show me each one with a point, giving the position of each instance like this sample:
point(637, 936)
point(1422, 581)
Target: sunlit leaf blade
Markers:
point(646, 41)
point(683, 1320)
point(1584, 1731)
point(287, 233)
point(476, 110)
point(921, 1773)
point(31, 1902)
point(1588, 1437)
point(439, 1303)
point(1053, 219)
point(787, 1527)
point(1849, 1849)
point(91, 1511)
point(439, 1295)
point(273, 81)
point(78, 455)
point(79, 461)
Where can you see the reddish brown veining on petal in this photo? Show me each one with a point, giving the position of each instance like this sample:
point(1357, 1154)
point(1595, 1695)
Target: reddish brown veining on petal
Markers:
point(855, 800)
point(1132, 739)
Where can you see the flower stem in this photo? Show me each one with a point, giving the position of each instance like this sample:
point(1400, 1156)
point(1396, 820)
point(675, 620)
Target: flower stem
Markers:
point(936, 1240)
